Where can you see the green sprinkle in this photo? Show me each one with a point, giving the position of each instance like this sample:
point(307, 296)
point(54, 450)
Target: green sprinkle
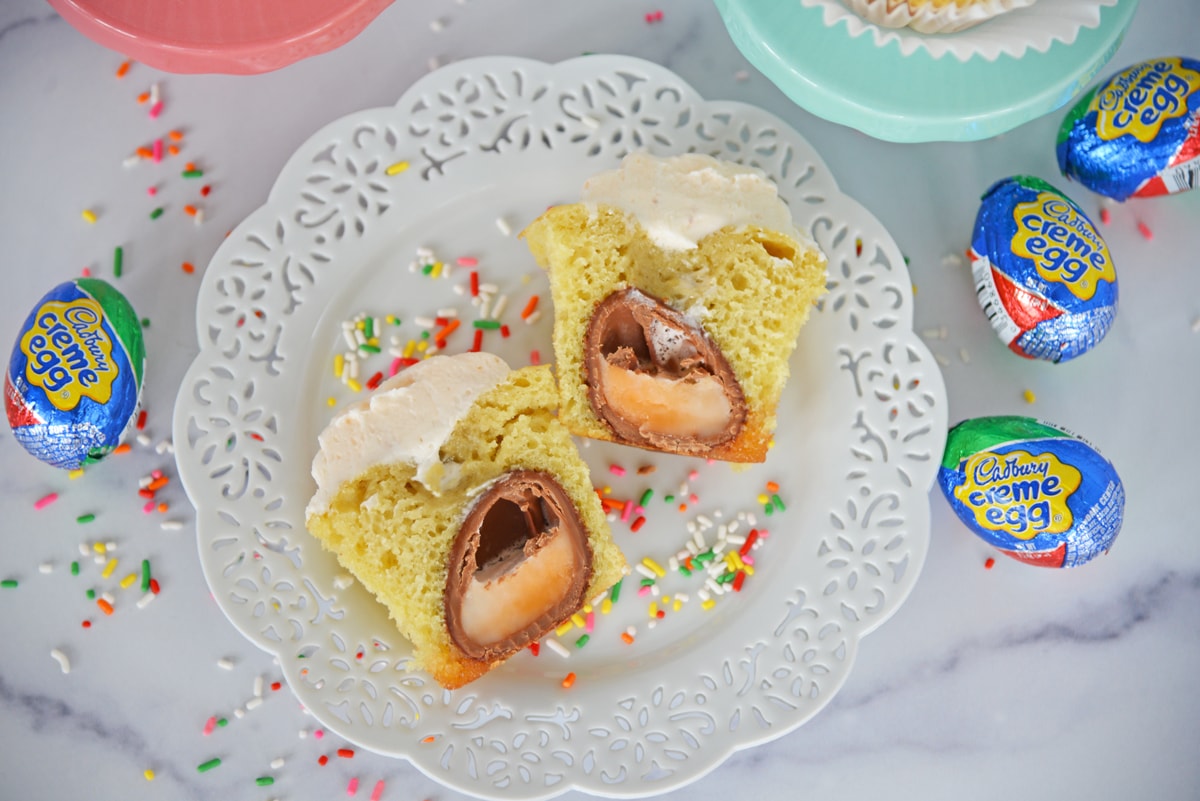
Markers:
point(222, 722)
point(145, 322)
point(583, 640)
point(488, 325)
point(154, 215)
point(192, 173)
point(369, 327)
point(615, 592)
point(768, 510)
point(704, 557)
point(205, 767)
point(369, 348)
point(424, 335)
point(8, 583)
point(145, 575)
point(427, 269)
point(646, 496)
point(89, 517)
point(668, 499)
point(684, 569)
point(74, 568)
point(647, 582)
point(118, 261)
point(91, 595)
point(725, 578)
point(264, 781)
point(777, 502)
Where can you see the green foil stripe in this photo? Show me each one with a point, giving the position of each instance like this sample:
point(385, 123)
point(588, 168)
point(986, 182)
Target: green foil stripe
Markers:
point(1077, 112)
point(985, 433)
point(122, 318)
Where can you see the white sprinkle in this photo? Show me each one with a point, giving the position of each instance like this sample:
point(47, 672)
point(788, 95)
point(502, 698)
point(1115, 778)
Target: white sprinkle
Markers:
point(942, 360)
point(741, 75)
point(501, 305)
point(171, 525)
point(645, 571)
point(503, 226)
point(682, 597)
point(436, 25)
point(131, 161)
point(459, 289)
point(199, 218)
point(557, 647)
point(100, 559)
point(144, 481)
point(46, 567)
point(434, 62)
point(655, 591)
point(673, 563)
point(110, 546)
point(258, 686)
point(166, 446)
point(932, 333)
point(733, 527)
point(704, 595)
point(533, 317)
point(713, 586)
point(424, 322)
point(342, 581)
point(953, 260)
point(589, 121)
point(302, 734)
point(254, 703)
point(62, 660)
point(225, 664)
point(962, 354)
point(277, 763)
point(84, 550)
point(239, 713)
point(154, 90)
point(1196, 325)
point(143, 440)
point(447, 312)
point(108, 598)
point(145, 600)
point(736, 540)
point(652, 625)
point(488, 289)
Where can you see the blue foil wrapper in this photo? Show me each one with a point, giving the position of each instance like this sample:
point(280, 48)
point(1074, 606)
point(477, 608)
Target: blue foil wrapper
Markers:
point(74, 379)
point(1033, 490)
point(1138, 133)
point(1043, 274)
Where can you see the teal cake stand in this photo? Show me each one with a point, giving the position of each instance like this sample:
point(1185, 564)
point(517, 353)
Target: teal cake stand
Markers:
point(915, 98)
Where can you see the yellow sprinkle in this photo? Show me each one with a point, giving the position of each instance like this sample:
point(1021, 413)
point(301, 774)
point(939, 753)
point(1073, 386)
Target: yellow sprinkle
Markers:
point(749, 570)
point(763, 499)
point(653, 609)
point(655, 566)
point(354, 385)
point(423, 345)
point(410, 348)
point(74, 474)
point(564, 628)
point(1029, 396)
point(677, 605)
point(587, 608)
point(99, 547)
point(109, 568)
point(89, 215)
point(339, 365)
point(397, 168)
point(361, 325)
point(709, 604)
point(373, 341)
point(437, 270)
point(607, 490)
point(331, 401)
point(666, 600)
point(149, 774)
point(391, 319)
point(606, 606)
point(578, 620)
point(128, 580)
point(914, 290)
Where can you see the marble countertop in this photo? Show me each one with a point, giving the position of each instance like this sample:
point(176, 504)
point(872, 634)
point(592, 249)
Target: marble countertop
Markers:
point(1008, 683)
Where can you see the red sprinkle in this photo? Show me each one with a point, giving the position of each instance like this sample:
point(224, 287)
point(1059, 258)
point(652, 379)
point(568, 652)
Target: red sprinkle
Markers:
point(154, 586)
point(209, 726)
point(87, 624)
point(637, 524)
point(375, 380)
point(474, 284)
point(1105, 215)
point(504, 332)
point(989, 564)
point(141, 423)
point(204, 190)
point(751, 538)
point(346, 753)
point(321, 760)
point(535, 647)
point(477, 345)
point(276, 686)
point(1144, 230)
point(535, 357)
point(738, 580)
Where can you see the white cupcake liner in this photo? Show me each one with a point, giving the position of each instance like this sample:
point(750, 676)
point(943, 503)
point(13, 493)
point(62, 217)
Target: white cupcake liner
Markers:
point(927, 18)
point(1034, 27)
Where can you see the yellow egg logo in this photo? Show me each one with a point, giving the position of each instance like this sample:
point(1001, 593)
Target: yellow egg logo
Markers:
point(1062, 244)
point(1019, 493)
point(69, 353)
point(1139, 100)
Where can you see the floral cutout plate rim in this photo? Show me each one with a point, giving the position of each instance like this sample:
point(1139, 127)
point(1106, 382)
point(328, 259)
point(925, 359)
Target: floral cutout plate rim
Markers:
point(466, 157)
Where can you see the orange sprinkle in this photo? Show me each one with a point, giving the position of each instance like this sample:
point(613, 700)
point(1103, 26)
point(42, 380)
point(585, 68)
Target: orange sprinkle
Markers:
point(627, 638)
point(189, 210)
point(124, 447)
point(157, 484)
point(189, 167)
point(188, 267)
point(450, 327)
point(175, 135)
point(530, 307)
point(145, 152)
point(569, 681)
point(683, 507)
point(429, 739)
point(173, 150)
point(124, 68)
point(772, 486)
point(144, 97)
point(105, 606)
point(162, 507)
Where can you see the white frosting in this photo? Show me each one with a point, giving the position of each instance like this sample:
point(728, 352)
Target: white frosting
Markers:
point(682, 199)
point(407, 419)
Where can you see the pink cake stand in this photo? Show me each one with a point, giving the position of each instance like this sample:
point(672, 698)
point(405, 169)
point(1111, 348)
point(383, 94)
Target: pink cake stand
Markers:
point(229, 36)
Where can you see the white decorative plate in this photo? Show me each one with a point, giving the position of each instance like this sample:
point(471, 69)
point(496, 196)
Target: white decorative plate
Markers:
point(862, 428)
